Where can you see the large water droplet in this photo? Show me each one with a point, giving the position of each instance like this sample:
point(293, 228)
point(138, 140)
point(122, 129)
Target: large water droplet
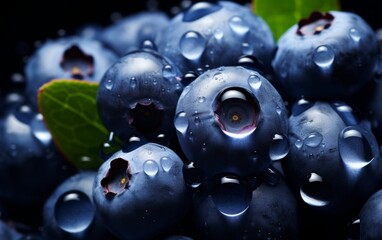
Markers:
point(166, 163)
point(181, 122)
point(323, 56)
point(279, 147)
point(109, 83)
point(238, 25)
point(231, 197)
point(150, 167)
point(345, 112)
point(193, 177)
point(313, 140)
point(315, 192)
point(255, 82)
point(74, 212)
point(199, 10)
point(39, 130)
point(192, 45)
point(354, 34)
point(354, 149)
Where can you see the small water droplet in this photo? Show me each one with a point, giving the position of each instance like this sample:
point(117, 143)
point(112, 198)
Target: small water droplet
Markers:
point(181, 122)
point(204, 147)
point(39, 130)
point(133, 82)
point(313, 140)
point(148, 44)
point(255, 82)
point(323, 56)
point(247, 49)
point(74, 203)
point(192, 45)
point(109, 84)
point(168, 72)
point(218, 34)
point(299, 143)
point(218, 76)
point(354, 34)
point(279, 147)
point(166, 163)
point(197, 121)
point(201, 99)
point(238, 25)
point(150, 168)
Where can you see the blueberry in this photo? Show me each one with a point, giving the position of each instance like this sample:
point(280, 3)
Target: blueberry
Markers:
point(229, 208)
point(370, 217)
point(129, 33)
point(328, 56)
point(69, 212)
point(141, 194)
point(334, 162)
point(70, 57)
point(137, 97)
point(7, 232)
point(209, 35)
point(231, 120)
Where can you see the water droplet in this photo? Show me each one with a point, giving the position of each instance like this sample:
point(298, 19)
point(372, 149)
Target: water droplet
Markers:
point(148, 44)
point(299, 143)
point(204, 147)
point(110, 147)
point(199, 10)
point(197, 121)
point(181, 122)
point(218, 34)
point(166, 163)
point(238, 25)
point(313, 140)
point(193, 177)
point(231, 197)
point(323, 56)
point(168, 72)
point(301, 106)
point(201, 99)
point(345, 112)
point(255, 82)
point(192, 45)
point(354, 149)
point(74, 212)
point(150, 168)
point(315, 192)
point(39, 130)
point(109, 84)
point(133, 82)
point(354, 34)
point(247, 49)
point(279, 147)
point(218, 76)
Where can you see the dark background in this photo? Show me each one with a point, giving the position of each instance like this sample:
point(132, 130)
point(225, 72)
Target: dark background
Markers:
point(30, 22)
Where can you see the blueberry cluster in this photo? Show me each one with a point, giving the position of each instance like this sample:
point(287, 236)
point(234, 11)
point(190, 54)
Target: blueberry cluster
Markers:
point(221, 131)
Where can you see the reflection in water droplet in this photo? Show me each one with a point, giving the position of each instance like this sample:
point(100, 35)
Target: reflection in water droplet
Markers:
point(192, 45)
point(255, 82)
point(354, 34)
point(313, 140)
point(166, 163)
point(354, 149)
point(181, 122)
point(323, 56)
point(150, 167)
point(231, 197)
point(74, 212)
point(238, 25)
point(279, 147)
point(109, 84)
point(315, 192)
point(39, 130)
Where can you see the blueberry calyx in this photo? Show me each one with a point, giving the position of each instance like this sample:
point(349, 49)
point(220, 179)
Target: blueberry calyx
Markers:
point(77, 63)
point(315, 24)
point(146, 116)
point(236, 112)
point(117, 177)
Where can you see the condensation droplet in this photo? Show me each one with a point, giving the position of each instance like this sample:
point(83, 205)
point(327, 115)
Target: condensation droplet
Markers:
point(279, 147)
point(323, 56)
point(238, 25)
point(181, 122)
point(255, 82)
point(299, 143)
point(193, 177)
point(354, 34)
point(133, 82)
point(218, 34)
point(39, 130)
point(315, 192)
point(166, 163)
point(192, 45)
point(313, 140)
point(197, 121)
point(247, 49)
point(150, 167)
point(168, 72)
point(109, 84)
point(201, 99)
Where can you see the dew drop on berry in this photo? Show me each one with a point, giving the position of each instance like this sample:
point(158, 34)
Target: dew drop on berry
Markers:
point(279, 147)
point(201, 99)
point(315, 191)
point(199, 10)
point(354, 34)
point(150, 167)
point(323, 56)
point(109, 84)
point(238, 25)
point(345, 112)
point(192, 45)
point(133, 82)
point(181, 122)
point(301, 106)
point(39, 130)
point(166, 163)
point(193, 176)
point(218, 34)
point(255, 82)
point(74, 212)
point(231, 197)
point(313, 140)
point(247, 49)
point(298, 143)
point(354, 149)
point(168, 72)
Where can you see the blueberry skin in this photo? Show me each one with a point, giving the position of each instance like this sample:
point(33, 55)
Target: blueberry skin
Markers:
point(66, 57)
point(69, 212)
point(332, 63)
point(271, 213)
point(27, 154)
point(370, 217)
point(218, 146)
point(209, 35)
point(7, 232)
point(141, 194)
point(129, 33)
point(333, 157)
point(137, 97)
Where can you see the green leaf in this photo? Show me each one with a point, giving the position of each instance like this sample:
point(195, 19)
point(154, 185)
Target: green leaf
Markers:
point(70, 113)
point(281, 15)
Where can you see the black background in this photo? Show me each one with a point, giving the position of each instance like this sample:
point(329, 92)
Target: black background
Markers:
point(27, 23)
